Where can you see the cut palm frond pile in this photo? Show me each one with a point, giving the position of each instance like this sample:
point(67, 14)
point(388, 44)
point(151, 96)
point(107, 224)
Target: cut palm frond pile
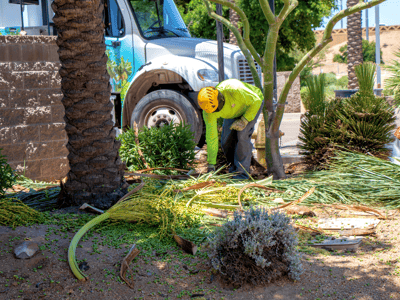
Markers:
point(351, 178)
point(172, 205)
point(15, 213)
point(38, 195)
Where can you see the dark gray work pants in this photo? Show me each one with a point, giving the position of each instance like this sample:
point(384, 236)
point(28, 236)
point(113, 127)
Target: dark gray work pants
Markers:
point(237, 146)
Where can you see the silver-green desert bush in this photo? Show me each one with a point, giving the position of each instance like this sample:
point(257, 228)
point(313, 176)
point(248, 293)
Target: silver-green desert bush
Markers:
point(256, 247)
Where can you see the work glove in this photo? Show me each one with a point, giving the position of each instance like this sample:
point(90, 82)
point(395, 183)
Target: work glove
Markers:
point(210, 168)
point(239, 124)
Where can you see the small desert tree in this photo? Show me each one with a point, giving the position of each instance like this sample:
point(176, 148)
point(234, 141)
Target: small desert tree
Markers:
point(273, 112)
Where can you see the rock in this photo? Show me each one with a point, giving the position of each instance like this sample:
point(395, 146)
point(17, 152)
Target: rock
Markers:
point(26, 250)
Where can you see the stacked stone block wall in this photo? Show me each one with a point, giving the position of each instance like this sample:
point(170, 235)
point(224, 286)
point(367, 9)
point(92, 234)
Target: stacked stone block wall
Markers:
point(293, 101)
point(32, 133)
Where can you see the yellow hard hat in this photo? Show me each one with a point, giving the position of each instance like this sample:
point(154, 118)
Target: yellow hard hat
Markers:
point(208, 99)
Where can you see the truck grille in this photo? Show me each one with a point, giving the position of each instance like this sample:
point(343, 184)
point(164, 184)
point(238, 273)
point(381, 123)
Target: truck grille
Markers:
point(245, 73)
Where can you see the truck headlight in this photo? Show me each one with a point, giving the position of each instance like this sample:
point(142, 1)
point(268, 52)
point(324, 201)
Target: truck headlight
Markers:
point(207, 75)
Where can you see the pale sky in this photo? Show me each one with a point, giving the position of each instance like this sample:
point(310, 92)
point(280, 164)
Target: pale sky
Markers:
point(389, 14)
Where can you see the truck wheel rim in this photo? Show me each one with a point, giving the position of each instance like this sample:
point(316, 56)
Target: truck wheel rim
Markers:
point(162, 115)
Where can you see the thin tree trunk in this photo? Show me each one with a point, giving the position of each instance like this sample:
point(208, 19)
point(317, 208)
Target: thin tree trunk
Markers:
point(96, 171)
point(354, 44)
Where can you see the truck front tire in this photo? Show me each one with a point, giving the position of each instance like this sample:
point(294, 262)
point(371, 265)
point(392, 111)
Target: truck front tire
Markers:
point(165, 106)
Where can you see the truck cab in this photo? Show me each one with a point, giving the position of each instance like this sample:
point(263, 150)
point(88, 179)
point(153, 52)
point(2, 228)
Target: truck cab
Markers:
point(158, 68)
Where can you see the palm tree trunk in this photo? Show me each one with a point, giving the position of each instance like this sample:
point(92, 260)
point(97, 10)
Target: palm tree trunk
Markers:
point(354, 44)
point(234, 19)
point(96, 171)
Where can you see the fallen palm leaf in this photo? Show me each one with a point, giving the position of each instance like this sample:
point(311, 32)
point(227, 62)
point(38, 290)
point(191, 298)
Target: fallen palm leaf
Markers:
point(300, 210)
point(91, 209)
point(133, 252)
point(301, 199)
point(306, 228)
point(358, 232)
point(186, 245)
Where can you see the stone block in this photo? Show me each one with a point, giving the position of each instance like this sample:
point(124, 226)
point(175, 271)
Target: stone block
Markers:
point(30, 169)
point(52, 132)
point(4, 53)
point(57, 113)
point(5, 135)
point(4, 66)
point(33, 52)
point(37, 115)
point(15, 152)
point(53, 54)
point(15, 52)
point(10, 80)
point(25, 133)
point(34, 66)
point(23, 98)
point(4, 99)
point(50, 96)
point(36, 80)
point(60, 149)
point(54, 169)
point(40, 150)
point(55, 80)
point(11, 117)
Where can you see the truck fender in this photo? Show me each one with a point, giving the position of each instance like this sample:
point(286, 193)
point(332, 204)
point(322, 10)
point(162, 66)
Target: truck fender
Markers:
point(173, 69)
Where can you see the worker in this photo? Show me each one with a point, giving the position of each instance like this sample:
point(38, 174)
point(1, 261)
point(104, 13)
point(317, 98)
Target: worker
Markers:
point(239, 104)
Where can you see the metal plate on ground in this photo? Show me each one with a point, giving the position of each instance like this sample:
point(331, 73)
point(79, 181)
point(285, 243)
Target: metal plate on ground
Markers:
point(346, 223)
point(342, 243)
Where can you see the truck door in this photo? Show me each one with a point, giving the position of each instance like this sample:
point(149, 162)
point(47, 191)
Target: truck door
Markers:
point(119, 43)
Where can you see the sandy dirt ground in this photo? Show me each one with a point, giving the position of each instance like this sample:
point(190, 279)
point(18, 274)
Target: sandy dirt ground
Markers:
point(372, 272)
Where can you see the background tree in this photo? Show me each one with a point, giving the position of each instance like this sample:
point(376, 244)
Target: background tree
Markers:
point(295, 33)
point(96, 171)
point(368, 53)
point(273, 113)
point(354, 42)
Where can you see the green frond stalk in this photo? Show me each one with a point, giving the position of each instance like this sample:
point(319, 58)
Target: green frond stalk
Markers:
point(366, 77)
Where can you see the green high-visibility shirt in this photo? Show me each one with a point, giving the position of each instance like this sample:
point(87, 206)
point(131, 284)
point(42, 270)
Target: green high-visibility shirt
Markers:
point(241, 99)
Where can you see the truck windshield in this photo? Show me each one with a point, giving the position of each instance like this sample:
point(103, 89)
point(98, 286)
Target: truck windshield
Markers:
point(159, 19)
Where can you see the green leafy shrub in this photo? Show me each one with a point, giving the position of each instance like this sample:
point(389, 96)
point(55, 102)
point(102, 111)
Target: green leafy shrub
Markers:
point(256, 247)
point(343, 82)
point(366, 77)
point(169, 146)
point(7, 176)
point(304, 94)
point(315, 95)
point(392, 84)
point(330, 91)
point(330, 79)
point(361, 123)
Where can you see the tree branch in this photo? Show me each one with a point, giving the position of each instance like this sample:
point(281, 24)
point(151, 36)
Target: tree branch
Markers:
point(326, 39)
point(239, 38)
point(283, 14)
point(269, 15)
point(286, 10)
point(246, 27)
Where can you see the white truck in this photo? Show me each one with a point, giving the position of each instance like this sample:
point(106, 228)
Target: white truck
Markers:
point(158, 67)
